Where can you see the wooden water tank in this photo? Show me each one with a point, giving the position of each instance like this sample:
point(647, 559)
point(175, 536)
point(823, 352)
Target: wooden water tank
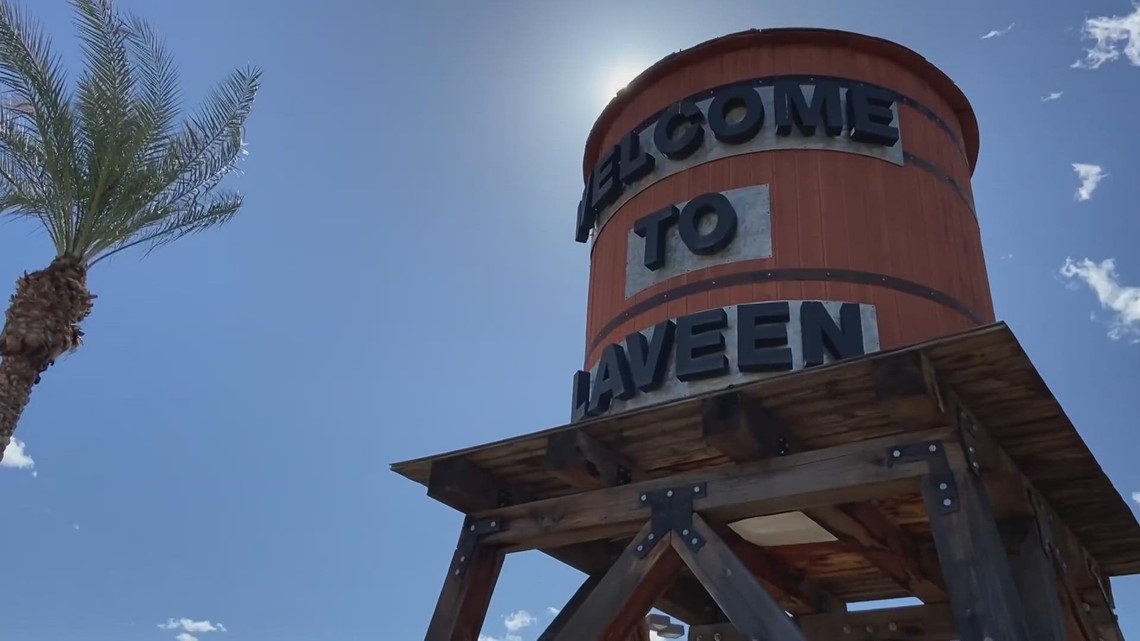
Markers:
point(846, 158)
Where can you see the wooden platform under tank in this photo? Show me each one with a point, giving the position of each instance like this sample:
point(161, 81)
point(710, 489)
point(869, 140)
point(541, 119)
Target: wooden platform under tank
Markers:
point(820, 443)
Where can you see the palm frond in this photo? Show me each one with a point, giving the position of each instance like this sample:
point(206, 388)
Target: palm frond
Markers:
point(36, 79)
point(109, 167)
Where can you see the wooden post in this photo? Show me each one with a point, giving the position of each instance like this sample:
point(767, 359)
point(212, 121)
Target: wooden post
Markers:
point(471, 578)
point(1036, 580)
point(983, 595)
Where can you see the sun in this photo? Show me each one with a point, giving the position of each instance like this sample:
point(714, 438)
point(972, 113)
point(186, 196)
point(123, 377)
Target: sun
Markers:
point(617, 78)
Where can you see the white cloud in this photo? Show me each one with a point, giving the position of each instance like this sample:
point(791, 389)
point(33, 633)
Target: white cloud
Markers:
point(997, 33)
point(16, 456)
point(552, 611)
point(75, 526)
point(516, 621)
point(1053, 96)
point(1007, 256)
point(1136, 497)
point(1112, 35)
point(1090, 176)
point(1122, 300)
point(189, 625)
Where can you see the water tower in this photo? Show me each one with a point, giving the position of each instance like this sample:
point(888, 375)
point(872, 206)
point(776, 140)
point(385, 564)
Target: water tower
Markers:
point(794, 395)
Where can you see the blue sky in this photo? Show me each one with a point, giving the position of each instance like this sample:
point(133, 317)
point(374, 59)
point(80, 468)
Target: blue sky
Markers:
point(405, 270)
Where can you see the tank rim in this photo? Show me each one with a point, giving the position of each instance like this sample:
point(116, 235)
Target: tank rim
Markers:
point(901, 54)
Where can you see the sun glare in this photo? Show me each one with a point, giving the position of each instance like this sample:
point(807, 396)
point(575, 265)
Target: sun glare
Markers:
point(617, 78)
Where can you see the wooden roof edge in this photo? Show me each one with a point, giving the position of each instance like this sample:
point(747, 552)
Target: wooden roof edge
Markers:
point(1123, 507)
point(811, 372)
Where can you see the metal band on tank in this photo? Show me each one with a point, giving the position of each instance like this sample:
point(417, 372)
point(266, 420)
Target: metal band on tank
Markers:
point(934, 170)
point(789, 274)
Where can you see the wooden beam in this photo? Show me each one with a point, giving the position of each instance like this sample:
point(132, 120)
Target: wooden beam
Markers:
point(841, 474)
point(1036, 581)
point(466, 594)
point(910, 623)
point(739, 594)
point(887, 546)
point(625, 593)
point(743, 430)
point(459, 482)
point(584, 462)
point(907, 389)
point(983, 595)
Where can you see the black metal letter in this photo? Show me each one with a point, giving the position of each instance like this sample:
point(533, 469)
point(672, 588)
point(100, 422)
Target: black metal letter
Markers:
point(869, 115)
point(700, 345)
point(719, 236)
point(604, 183)
point(792, 108)
point(585, 218)
point(728, 100)
point(648, 358)
point(762, 337)
point(613, 380)
point(683, 114)
point(635, 162)
point(581, 396)
point(653, 228)
point(844, 340)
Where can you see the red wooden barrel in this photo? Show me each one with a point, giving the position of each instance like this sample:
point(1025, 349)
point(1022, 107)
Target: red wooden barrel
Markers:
point(824, 172)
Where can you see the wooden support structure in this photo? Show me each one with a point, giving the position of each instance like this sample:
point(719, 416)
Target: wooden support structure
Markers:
point(917, 472)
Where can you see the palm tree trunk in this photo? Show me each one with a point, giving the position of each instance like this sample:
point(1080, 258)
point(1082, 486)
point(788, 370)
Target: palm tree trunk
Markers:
point(41, 324)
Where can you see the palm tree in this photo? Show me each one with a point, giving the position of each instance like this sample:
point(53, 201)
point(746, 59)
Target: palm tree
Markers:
point(105, 165)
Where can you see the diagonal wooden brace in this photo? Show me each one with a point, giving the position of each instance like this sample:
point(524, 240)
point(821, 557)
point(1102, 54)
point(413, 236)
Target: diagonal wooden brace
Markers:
point(736, 590)
point(471, 579)
point(625, 593)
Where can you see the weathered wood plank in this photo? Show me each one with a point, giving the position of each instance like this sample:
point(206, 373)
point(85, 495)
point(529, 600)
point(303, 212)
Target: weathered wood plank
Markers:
point(933, 622)
point(843, 474)
point(744, 601)
point(624, 594)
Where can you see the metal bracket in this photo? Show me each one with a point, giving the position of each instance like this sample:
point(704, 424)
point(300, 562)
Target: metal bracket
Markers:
point(622, 476)
point(473, 530)
point(967, 428)
point(783, 448)
point(504, 498)
point(672, 512)
point(941, 476)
